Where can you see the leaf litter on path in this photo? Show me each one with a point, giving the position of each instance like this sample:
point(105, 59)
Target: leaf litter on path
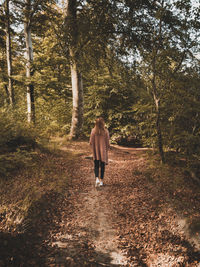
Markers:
point(128, 222)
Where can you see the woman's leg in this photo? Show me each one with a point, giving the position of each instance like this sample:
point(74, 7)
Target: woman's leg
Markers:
point(102, 164)
point(96, 168)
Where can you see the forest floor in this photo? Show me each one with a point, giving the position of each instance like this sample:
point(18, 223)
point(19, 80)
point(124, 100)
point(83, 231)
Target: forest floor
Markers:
point(142, 216)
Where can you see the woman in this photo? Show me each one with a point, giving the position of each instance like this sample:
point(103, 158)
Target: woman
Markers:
point(99, 140)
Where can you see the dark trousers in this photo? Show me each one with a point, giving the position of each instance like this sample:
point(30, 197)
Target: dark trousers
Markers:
point(99, 164)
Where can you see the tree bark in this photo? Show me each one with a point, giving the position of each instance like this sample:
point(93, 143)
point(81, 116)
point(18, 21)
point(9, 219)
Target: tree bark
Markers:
point(156, 96)
point(29, 64)
point(159, 132)
point(70, 20)
point(158, 127)
point(7, 94)
point(77, 111)
point(9, 56)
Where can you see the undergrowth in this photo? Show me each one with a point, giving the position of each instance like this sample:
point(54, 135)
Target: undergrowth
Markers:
point(173, 179)
point(31, 175)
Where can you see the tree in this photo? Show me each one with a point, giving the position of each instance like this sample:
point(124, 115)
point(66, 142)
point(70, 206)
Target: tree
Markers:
point(89, 29)
point(164, 56)
point(52, 77)
point(28, 11)
point(28, 14)
point(111, 93)
point(9, 55)
point(70, 21)
point(6, 25)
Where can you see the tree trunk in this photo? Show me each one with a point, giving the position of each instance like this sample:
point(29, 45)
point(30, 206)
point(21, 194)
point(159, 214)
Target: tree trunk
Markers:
point(156, 99)
point(70, 20)
point(77, 111)
point(158, 128)
point(9, 56)
point(159, 132)
point(29, 64)
point(7, 94)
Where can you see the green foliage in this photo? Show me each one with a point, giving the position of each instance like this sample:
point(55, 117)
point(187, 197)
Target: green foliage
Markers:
point(17, 143)
point(53, 115)
point(184, 131)
point(111, 94)
point(180, 111)
point(13, 133)
point(13, 161)
point(145, 121)
point(28, 186)
point(53, 96)
point(113, 88)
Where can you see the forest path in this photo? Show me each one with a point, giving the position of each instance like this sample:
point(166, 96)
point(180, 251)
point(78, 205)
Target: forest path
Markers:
point(96, 217)
point(127, 222)
point(88, 237)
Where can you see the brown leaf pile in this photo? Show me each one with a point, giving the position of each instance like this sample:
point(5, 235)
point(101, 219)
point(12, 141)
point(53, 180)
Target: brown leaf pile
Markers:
point(154, 225)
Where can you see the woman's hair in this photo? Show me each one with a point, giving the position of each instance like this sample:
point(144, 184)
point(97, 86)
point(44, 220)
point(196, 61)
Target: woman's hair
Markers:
point(99, 128)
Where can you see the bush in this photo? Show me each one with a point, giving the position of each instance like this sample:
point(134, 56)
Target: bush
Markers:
point(125, 140)
point(17, 143)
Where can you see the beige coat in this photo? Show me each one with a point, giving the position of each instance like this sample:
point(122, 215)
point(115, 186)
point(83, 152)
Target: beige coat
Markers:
point(100, 145)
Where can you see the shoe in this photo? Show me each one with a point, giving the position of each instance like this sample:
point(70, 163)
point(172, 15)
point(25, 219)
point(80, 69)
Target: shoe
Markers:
point(97, 182)
point(101, 183)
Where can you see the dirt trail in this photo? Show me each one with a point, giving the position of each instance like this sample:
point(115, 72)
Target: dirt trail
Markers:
point(105, 242)
point(91, 225)
point(127, 222)
point(141, 217)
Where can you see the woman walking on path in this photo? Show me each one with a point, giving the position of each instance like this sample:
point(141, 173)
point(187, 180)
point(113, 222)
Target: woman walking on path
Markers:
point(99, 140)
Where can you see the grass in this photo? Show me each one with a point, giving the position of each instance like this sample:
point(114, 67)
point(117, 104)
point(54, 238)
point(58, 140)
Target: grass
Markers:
point(28, 180)
point(179, 190)
point(174, 187)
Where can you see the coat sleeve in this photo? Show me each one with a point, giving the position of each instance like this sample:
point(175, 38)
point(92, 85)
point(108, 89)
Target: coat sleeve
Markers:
point(107, 140)
point(91, 142)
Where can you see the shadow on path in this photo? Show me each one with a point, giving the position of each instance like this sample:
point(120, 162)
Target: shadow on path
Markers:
point(29, 248)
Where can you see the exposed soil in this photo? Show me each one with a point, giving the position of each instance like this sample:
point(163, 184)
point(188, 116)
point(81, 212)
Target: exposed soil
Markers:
point(130, 221)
